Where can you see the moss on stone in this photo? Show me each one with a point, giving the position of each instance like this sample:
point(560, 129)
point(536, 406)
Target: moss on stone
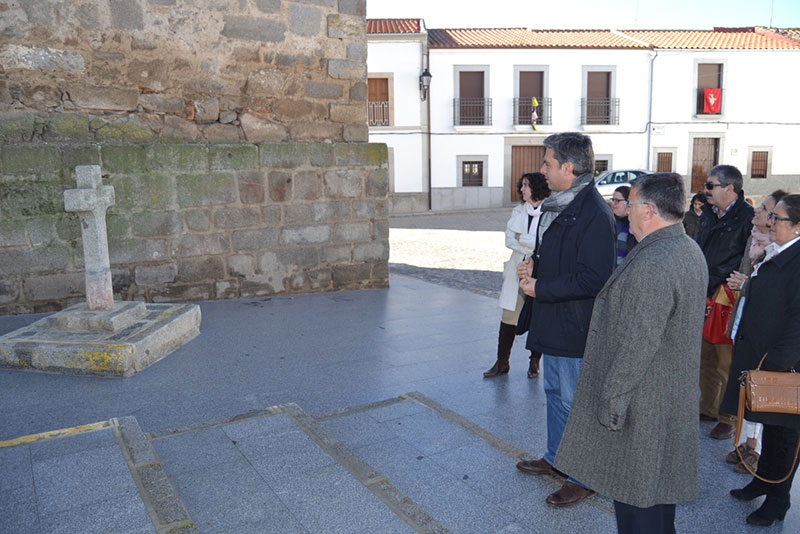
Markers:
point(25, 198)
point(177, 157)
point(240, 156)
point(283, 155)
point(125, 131)
point(17, 128)
point(69, 127)
point(123, 159)
point(144, 191)
point(31, 160)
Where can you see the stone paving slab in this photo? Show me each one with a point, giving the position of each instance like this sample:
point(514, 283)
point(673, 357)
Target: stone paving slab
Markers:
point(85, 480)
point(282, 472)
point(346, 359)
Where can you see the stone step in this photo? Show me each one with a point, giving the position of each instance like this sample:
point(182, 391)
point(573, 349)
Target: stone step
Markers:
point(403, 465)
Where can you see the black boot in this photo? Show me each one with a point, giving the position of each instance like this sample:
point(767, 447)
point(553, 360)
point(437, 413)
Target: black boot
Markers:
point(505, 340)
point(533, 366)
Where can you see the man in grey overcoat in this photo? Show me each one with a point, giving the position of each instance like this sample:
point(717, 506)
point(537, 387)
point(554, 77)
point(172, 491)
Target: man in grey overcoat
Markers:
point(633, 431)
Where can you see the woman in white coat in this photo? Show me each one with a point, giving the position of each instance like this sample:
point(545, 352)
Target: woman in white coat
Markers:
point(521, 239)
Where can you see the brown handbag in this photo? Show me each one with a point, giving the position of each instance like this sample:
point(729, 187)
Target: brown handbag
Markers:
point(768, 392)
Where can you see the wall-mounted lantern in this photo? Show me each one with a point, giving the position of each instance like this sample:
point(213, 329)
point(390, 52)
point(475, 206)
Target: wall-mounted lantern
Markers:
point(424, 84)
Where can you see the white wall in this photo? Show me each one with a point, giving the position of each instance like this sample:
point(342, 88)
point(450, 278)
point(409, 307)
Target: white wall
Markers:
point(759, 110)
point(402, 59)
point(564, 85)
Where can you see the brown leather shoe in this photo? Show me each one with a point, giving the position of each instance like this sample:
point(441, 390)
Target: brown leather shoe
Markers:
point(570, 494)
point(538, 467)
point(722, 431)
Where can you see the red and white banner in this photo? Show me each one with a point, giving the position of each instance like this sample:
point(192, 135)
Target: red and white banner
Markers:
point(712, 101)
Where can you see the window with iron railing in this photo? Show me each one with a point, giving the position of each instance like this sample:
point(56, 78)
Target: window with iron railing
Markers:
point(524, 109)
point(600, 165)
point(600, 111)
point(758, 164)
point(472, 111)
point(378, 113)
point(472, 174)
point(664, 162)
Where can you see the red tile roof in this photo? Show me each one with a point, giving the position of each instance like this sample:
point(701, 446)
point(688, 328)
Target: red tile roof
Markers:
point(717, 39)
point(792, 34)
point(378, 26)
point(522, 38)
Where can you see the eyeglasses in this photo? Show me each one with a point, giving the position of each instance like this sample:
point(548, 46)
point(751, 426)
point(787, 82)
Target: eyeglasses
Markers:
point(773, 218)
point(712, 185)
point(629, 204)
point(617, 200)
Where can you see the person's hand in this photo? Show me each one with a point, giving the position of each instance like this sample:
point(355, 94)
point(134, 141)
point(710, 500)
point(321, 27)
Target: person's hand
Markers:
point(525, 269)
point(736, 280)
point(528, 286)
point(516, 236)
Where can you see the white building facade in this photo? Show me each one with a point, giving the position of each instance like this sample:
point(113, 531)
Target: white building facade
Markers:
point(639, 95)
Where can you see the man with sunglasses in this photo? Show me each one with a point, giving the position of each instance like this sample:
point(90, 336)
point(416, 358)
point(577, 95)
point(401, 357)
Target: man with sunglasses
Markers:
point(725, 226)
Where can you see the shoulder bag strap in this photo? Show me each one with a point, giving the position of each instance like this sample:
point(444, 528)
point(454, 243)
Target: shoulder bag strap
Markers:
point(740, 419)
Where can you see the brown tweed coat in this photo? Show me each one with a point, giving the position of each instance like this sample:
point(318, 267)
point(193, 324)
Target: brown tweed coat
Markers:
point(633, 430)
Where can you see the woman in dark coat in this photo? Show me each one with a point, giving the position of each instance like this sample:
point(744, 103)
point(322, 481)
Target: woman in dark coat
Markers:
point(691, 221)
point(769, 323)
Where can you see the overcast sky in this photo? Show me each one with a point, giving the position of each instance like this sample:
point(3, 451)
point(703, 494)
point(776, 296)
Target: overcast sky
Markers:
point(591, 14)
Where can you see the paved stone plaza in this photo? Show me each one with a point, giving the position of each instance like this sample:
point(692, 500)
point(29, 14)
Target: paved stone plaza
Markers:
point(358, 412)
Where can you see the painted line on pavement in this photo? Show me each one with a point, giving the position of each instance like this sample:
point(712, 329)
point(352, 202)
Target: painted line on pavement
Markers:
point(54, 434)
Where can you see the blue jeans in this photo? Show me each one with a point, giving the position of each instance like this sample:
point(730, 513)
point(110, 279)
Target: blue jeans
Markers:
point(560, 375)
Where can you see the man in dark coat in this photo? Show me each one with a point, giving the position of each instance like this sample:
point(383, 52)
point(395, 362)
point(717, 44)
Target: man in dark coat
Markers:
point(575, 256)
point(632, 434)
point(725, 227)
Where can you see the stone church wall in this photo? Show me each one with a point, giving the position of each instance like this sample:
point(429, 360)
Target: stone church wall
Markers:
point(233, 131)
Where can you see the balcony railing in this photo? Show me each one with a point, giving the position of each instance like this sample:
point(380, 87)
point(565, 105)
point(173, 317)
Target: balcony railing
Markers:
point(378, 113)
point(472, 111)
point(599, 110)
point(523, 110)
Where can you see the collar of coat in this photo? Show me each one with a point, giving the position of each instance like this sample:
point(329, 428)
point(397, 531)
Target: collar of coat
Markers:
point(732, 213)
point(670, 232)
point(787, 255)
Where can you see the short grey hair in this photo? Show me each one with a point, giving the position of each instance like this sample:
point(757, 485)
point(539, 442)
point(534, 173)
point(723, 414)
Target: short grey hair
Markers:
point(664, 191)
point(572, 147)
point(728, 175)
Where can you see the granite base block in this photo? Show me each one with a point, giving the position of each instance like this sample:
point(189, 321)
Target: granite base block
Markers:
point(78, 342)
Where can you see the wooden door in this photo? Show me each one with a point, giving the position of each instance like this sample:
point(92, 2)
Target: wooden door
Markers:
point(705, 155)
point(524, 159)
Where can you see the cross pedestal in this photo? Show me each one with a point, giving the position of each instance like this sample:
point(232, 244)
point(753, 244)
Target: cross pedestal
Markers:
point(100, 337)
point(90, 201)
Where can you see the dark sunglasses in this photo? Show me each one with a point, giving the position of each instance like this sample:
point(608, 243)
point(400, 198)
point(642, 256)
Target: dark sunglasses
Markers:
point(711, 185)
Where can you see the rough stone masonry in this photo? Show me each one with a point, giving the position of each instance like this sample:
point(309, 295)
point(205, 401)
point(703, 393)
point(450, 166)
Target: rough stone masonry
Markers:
point(234, 133)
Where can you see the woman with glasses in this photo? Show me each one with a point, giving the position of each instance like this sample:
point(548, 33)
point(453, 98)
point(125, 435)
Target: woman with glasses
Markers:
point(768, 322)
point(521, 239)
point(619, 205)
point(755, 251)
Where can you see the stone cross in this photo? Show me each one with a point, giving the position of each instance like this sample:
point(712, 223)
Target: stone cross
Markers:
point(90, 201)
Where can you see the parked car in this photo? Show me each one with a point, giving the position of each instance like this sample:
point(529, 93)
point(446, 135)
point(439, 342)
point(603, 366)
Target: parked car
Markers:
point(608, 181)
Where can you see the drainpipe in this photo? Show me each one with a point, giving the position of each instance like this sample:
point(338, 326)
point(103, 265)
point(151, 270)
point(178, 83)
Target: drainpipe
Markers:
point(428, 106)
point(650, 108)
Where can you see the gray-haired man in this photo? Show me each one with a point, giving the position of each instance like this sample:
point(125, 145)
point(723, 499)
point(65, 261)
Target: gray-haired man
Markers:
point(632, 434)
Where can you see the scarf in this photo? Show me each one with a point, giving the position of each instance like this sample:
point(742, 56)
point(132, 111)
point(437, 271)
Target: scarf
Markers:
point(758, 245)
point(558, 202)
